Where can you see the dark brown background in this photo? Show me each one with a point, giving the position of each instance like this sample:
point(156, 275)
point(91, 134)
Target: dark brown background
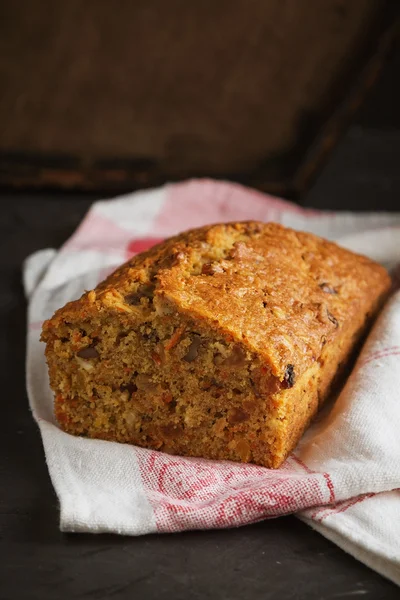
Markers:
point(114, 95)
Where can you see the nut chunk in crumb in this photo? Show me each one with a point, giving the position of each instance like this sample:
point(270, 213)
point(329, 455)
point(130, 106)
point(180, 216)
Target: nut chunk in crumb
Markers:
point(221, 342)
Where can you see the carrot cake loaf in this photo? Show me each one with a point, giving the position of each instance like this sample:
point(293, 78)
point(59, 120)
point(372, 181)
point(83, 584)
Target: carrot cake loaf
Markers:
point(222, 342)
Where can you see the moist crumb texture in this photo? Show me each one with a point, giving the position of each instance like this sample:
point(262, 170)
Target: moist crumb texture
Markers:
point(221, 342)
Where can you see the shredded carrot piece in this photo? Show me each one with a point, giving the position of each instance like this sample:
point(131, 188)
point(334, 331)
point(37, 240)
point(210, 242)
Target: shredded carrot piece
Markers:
point(175, 338)
point(156, 358)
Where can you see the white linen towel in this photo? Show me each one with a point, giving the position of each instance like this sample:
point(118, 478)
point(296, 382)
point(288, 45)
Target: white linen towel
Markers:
point(344, 477)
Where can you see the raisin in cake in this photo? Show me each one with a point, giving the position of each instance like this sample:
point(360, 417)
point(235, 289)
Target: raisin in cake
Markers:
point(221, 342)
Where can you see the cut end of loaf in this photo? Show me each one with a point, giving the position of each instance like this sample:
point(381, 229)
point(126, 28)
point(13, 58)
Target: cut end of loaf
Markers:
point(168, 383)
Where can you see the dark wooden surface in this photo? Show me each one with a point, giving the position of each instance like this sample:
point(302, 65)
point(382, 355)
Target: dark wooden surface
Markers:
point(280, 558)
point(95, 98)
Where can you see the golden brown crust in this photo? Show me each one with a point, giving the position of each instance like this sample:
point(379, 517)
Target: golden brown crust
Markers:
point(290, 301)
point(283, 293)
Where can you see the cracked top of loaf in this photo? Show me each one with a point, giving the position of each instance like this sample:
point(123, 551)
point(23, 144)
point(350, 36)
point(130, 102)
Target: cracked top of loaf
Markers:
point(281, 293)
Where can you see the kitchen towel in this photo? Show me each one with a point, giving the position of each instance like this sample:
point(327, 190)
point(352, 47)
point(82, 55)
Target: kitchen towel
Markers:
point(343, 478)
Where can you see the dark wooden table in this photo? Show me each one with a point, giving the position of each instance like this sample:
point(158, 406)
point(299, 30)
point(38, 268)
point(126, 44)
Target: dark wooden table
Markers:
point(280, 558)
